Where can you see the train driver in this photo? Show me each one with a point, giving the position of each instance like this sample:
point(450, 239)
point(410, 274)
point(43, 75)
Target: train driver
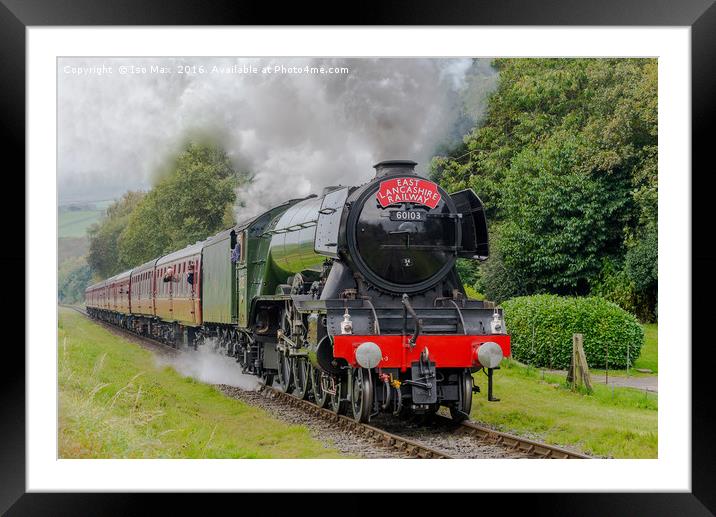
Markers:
point(236, 253)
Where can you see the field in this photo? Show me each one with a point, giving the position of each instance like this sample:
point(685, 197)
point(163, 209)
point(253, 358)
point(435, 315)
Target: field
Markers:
point(612, 422)
point(73, 220)
point(115, 402)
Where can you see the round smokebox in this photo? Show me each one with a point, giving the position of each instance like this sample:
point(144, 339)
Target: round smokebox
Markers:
point(402, 247)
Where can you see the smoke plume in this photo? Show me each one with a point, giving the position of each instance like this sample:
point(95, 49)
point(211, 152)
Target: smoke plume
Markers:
point(292, 130)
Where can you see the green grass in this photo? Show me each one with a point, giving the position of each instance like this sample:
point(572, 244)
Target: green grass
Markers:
point(618, 423)
point(649, 352)
point(116, 403)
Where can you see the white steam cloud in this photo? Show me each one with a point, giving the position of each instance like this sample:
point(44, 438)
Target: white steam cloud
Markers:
point(206, 365)
point(294, 132)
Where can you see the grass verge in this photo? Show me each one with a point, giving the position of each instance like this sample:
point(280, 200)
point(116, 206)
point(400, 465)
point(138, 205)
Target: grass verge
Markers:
point(649, 357)
point(618, 422)
point(116, 403)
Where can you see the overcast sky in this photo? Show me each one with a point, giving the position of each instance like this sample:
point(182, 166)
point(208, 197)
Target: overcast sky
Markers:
point(120, 119)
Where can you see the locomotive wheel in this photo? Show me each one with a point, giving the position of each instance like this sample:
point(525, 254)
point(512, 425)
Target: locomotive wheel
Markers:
point(285, 366)
point(321, 397)
point(301, 377)
point(361, 395)
point(461, 409)
point(285, 375)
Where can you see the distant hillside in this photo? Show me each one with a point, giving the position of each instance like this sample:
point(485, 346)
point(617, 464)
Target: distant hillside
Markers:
point(69, 248)
point(73, 273)
point(74, 219)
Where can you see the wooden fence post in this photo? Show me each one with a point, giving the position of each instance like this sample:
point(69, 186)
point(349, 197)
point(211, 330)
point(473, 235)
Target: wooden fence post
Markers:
point(572, 363)
point(578, 373)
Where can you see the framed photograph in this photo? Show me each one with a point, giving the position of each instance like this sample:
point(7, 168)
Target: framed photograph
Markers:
point(355, 215)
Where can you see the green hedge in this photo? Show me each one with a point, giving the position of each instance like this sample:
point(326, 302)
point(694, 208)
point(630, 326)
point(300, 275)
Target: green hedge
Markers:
point(542, 327)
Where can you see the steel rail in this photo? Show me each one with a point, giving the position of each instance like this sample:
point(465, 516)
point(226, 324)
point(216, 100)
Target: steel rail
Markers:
point(511, 441)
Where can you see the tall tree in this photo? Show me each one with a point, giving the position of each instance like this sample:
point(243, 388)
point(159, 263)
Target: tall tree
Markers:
point(566, 164)
point(188, 204)
point(103, 254)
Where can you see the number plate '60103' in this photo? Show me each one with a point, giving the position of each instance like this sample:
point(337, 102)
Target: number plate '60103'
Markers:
point(407, 215)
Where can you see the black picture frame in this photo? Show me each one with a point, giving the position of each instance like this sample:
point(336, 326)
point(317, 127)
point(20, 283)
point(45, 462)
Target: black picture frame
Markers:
point(700, 15)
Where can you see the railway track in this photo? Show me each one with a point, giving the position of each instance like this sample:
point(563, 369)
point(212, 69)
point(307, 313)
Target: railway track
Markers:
point(515, 443)
point(482, 436)
point(411, 448)
point(480, 433)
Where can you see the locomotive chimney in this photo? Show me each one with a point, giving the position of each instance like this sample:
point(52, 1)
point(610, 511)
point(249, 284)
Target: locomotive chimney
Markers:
point(388, 167)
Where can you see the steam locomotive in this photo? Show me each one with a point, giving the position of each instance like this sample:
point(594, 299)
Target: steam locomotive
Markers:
point(350, 298)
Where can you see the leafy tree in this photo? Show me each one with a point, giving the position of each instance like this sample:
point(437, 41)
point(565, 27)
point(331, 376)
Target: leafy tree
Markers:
point(562, 218)
point(566, 163)
point(468, 271)
point(498, 282)
point(103, 254)
point(72, 283)
point(191, 202)
point(615, 284)
point(641, 267)
point(641, 262)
